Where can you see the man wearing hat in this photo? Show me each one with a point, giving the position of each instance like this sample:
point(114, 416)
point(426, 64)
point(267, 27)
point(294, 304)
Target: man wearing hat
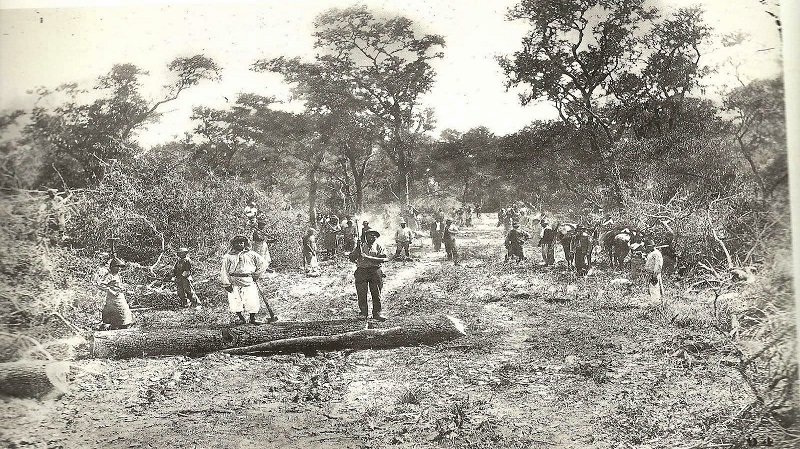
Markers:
point(403, 238)
point(241, 268)
point(368, 257)
point(364, 229)
point(182, 274)
point(514, 241)
point(116, 313)
point(437, 229)
point(652, 270)
point(310, 261)
point(449, 239)
point(546, 241)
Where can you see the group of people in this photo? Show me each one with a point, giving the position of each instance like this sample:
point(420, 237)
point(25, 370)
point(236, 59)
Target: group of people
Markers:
point(248, 260)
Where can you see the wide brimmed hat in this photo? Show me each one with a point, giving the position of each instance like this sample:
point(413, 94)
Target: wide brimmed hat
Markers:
point(514, 225)
point(403, 221)
point(117, 262)
point(373, 232)
point(239, 238)
point(183, 249)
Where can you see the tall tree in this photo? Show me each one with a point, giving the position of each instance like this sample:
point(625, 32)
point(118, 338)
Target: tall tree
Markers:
point(759, 127)
point(385, 68)
point(569, 57)
point(78, 137)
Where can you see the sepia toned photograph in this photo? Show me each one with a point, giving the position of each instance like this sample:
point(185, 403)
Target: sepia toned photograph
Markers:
point(444, 224)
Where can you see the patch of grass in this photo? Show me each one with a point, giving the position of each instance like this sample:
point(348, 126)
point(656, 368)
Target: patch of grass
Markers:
point(410, 395)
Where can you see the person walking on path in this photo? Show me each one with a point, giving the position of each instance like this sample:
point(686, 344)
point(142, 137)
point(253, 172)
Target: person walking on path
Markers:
point(240, 270)
point(309, 250)
point(437, 232)
point(652, 270)
point(546, 241)
point(262, 238)
point(514, 241)
point(364, 229)
point(403, 238)
point(116, 313)
point(182, 274)
point(368, 257)
point(449, 238)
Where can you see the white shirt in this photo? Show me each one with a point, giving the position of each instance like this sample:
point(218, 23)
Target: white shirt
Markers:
point(654, 262)
point(403, 235)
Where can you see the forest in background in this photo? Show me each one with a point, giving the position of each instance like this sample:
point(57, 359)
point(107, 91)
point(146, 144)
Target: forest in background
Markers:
point(637, 134)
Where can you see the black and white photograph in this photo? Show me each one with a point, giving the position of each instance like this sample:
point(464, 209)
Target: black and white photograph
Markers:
point(439, 224)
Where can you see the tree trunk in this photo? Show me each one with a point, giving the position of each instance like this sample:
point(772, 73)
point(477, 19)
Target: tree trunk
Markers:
point(34, 379)
point(130, 343)
point(398, 332)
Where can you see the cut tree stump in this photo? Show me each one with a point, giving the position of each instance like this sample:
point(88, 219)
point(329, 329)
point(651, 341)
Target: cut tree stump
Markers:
point(400, 332)
point(128, 343)
point(34, 379)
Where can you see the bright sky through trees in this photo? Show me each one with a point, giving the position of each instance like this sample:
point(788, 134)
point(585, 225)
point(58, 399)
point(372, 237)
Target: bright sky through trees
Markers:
point(50, 46)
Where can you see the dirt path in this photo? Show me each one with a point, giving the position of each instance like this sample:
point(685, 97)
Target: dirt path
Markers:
point(531, 373)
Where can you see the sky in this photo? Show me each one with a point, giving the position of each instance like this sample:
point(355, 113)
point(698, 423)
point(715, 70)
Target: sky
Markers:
point(43, 45)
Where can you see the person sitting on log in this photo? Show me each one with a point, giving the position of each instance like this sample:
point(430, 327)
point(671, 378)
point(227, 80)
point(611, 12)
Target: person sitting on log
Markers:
point(116, 313)
point(182, 275)
point(368, 257)
point(241, 267)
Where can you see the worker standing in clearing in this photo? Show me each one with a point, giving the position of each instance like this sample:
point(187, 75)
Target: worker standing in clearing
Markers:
point(652, 270)
point(368, 257)
point(403, 238)
point(182, 274)
point(546, 242)
point(241, 268)
point(116, 313)
point(449, 239)
point(514, 241)
point(310, 260)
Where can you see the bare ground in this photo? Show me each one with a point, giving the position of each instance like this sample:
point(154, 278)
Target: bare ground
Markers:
point(549, 361)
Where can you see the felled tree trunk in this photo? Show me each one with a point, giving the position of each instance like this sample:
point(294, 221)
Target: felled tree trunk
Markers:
point(302, 336)
point(402, 332)
point(34, 379)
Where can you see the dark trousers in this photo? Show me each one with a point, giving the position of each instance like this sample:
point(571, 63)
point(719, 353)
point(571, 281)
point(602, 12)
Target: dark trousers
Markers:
point(515, 251)
point(369, 279)
point(402, 246)
point(186, 293)
point(437, 242)
point(450, 249)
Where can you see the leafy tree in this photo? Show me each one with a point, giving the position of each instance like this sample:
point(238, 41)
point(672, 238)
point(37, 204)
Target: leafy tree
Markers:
point(759, 128)
point(385, 69)
point(79, 138)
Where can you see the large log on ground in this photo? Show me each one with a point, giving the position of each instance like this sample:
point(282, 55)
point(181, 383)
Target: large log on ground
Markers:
point(129, 343)
point(34, 379)
point(402, 332)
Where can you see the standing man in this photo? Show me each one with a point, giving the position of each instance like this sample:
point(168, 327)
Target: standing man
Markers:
point(368, 257)
point(437, 231)
point(182, 273)
point(330, 230)
point(261, 239)
point(514, 241)
point(652, 270)
point(240, 270)
point(364, 229)
point(251, 211)
point(309, 250)
point(116, 313)
point(449, 238)
point(349, 235)
point(403, 238)
point(546, 241)
point(440, 215)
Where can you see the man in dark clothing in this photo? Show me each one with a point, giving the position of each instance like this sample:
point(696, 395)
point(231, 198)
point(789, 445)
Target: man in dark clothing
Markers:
point(546, 242)
point(514, 241)
point(182, 274)
point(437, 233)
point(449, 238)
point(368, 257)
point(364, 229)
point(350, 235)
